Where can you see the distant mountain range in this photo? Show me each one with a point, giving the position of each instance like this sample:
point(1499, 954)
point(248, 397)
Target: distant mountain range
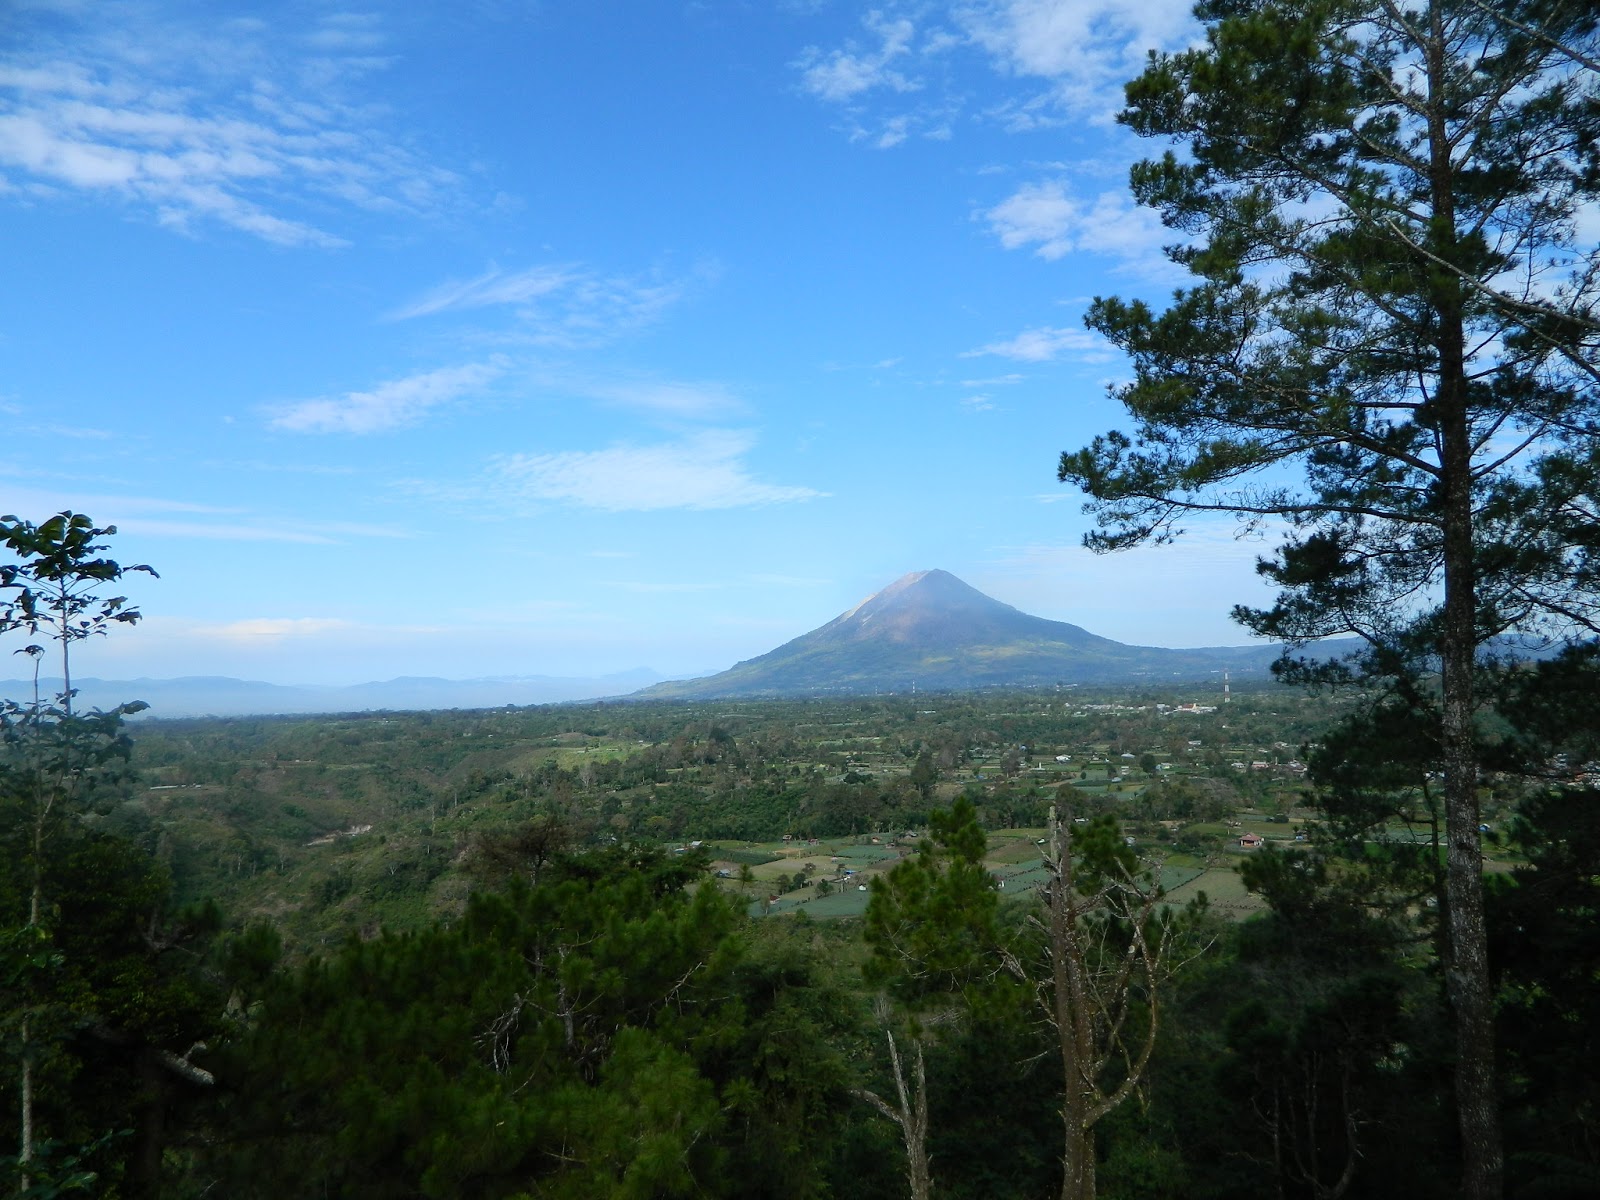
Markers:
point(215, 696)
point(927, 630)
point(931, 630)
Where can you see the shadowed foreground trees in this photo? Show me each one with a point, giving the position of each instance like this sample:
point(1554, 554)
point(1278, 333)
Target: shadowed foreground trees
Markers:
point(608, 1032)
point(100, 1004)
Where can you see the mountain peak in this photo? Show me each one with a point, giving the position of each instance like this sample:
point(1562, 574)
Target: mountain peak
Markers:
point(931, 629)
point(933, 590)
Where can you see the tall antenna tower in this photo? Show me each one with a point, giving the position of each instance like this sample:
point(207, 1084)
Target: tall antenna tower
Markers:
point(1226, 698)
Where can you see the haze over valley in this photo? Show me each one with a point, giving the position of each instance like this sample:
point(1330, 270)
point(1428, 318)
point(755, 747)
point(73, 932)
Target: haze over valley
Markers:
point(927, 629)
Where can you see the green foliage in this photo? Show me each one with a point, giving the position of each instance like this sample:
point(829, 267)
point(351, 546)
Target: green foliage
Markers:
point(53, 588)
point(604, 1033)
point(931, 922)
point(52, 1172)
point(1545, 936)
point(101, 995)
point(598, 1019)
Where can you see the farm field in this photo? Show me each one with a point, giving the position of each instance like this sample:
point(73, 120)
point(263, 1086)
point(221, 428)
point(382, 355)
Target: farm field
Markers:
point(847, 867)
point(334, 826)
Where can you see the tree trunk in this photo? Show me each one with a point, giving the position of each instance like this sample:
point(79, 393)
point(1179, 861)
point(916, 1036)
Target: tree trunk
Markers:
point(911, 1115)
point(1467, 967)
point(1078, 1182)
point(25, 1151)
point(145, 1180)
point(1467, 962)
point(1073, 1021)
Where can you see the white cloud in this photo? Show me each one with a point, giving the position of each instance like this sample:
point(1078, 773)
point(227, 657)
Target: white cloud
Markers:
point(705, 471)
point(219, 122)
point(392, 405)
point(1039, 213)
point(1049, 218)
point(842, 75)
point(1084, 47)
point(979, 404)
point(1045, 344)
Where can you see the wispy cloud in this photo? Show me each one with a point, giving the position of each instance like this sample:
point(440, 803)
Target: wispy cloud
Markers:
point(888, 62)
point(105, 506)
point(566, 305)
point(75, 432)
point(693, 401)
point(231, 531)
point(287, 468)
point(395, 404)
point(883, 364)
point(705, 471)
point(789, 581)
point(274, 629)
point(158, 516)
point(492, 288)
point(653, 588)
point(844, 74)
point(268, 630)
point(1071, 56)
point(1045, 344)
point(238, 123)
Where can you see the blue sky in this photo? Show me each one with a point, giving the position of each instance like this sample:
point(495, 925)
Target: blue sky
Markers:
point(503, 338)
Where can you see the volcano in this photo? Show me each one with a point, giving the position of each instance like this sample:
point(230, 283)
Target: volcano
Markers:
point(930, 630)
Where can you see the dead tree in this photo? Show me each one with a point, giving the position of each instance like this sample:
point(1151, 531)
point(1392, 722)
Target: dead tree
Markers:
point(910, 1113)
point(1107, 948)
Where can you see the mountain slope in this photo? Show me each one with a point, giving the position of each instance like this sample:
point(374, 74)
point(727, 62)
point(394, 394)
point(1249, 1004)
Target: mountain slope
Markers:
point(930, 629)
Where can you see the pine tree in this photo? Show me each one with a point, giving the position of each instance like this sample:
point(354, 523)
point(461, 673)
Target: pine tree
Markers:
point(1392, 344)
